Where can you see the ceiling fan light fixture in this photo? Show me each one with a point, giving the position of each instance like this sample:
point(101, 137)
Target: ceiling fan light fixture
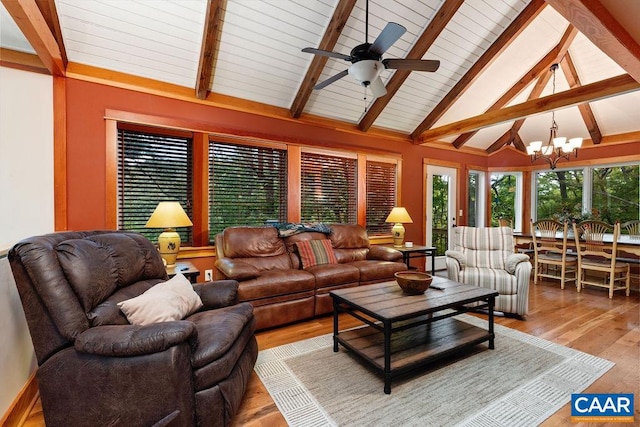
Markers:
point(366, 71)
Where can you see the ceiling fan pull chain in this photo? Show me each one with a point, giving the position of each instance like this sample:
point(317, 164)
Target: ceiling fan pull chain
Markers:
point(365, 99)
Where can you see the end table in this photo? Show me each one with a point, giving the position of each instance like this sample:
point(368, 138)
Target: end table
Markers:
point(186, 268)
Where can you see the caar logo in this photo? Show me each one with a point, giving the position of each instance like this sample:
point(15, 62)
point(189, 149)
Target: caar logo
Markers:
point(602, 408)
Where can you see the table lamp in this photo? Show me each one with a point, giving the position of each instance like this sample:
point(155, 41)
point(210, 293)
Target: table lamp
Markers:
point(398, 215)
point(169, 215)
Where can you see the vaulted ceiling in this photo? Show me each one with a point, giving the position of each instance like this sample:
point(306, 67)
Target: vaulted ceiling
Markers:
point(493, 88)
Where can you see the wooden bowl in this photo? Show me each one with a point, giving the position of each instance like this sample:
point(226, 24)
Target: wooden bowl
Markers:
point(413, 282)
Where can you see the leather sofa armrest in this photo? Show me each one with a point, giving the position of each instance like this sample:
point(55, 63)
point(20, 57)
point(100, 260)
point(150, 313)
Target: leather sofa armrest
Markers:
point(458, 256)
point(133, 340)
point(513, 260)
point(383, 253)
point(236, 269)
point(217, 294)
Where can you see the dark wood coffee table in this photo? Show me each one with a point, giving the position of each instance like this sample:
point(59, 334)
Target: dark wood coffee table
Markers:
point(404, 332)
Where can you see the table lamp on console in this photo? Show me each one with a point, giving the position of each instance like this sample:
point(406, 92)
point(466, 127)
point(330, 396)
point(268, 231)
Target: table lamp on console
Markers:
point(398, 215)
point(169, 215)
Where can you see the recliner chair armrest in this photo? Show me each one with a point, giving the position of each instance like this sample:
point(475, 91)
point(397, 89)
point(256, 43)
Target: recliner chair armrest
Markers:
point(236, 269)
point(458, 256)
point(134, 340)
point(217, 294)
point(513, 260)
point(383, 253)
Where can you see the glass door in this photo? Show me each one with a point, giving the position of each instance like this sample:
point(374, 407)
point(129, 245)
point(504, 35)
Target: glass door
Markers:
point(441, 209)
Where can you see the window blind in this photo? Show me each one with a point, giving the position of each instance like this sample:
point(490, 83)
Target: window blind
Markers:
point(152, 168)
point(381, 196)
point(247, 185)
point(328, 189)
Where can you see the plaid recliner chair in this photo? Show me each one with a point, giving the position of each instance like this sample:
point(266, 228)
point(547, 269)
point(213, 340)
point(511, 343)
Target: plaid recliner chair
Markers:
point(484, 256)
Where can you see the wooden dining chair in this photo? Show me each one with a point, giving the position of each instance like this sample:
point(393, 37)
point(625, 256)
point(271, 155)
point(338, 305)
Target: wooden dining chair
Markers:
point(632, 228)
point(597, 255)
point(551, 260)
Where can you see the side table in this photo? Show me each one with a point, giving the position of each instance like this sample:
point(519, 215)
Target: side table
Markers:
point(418, 252)
point(186, 268)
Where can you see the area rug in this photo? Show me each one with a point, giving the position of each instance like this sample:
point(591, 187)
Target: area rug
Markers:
point(521, 383)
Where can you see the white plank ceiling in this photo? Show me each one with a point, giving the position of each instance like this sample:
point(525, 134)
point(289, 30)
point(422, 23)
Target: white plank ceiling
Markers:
point(259, 56)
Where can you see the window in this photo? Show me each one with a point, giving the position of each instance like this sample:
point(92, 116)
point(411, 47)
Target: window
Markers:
point(152, 168)
point(608, 193)
point(328, 188)
point(559, 194)
point(475, 199)
point(615, 193)
point(247, 186)
point(381, 196)
point(506, 198)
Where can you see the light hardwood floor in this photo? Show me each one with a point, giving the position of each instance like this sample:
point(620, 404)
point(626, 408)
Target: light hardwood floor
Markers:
point(588, 321)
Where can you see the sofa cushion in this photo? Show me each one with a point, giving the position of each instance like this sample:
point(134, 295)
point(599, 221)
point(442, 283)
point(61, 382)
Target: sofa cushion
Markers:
point(276, 282)
point(164, 302)
point(334, 274)
point(373, 271)
point(252, 242)
point(96, 266)
point(349, 236)
point(315, 252)
point(499, 280)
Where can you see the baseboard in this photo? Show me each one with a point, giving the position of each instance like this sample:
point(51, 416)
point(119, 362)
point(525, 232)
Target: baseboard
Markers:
point(22, 405)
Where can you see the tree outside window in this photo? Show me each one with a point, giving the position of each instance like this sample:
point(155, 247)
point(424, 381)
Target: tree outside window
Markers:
point(615, 193)
point(503, 197)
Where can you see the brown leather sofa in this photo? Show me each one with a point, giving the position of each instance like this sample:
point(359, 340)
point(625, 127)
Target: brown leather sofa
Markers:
point(272, 279)
point(96, 369)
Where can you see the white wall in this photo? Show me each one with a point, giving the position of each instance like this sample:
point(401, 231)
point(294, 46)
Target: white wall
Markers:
point(26, 191)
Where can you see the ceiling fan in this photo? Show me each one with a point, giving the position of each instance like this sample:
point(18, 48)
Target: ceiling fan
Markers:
point(367, 62)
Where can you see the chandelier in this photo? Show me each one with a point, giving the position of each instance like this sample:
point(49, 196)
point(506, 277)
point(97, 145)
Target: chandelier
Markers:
point(557, 147)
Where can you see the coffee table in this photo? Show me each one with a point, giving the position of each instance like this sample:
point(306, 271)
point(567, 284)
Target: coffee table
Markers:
point(404, 332)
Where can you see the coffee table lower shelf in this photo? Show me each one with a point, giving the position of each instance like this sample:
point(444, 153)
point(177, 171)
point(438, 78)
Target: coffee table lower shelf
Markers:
point(413, 347)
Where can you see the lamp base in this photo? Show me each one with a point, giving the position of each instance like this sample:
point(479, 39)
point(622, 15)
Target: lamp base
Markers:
point(169, 246)
point(398, 234)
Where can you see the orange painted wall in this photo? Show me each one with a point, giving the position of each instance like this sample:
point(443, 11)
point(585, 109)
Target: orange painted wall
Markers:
point(87, 103)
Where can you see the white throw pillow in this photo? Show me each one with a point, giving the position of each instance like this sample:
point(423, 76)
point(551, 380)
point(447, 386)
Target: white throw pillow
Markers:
point(172, 300)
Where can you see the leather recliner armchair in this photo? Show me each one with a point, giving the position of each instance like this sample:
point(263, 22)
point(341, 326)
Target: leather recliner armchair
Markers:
point(95, 368)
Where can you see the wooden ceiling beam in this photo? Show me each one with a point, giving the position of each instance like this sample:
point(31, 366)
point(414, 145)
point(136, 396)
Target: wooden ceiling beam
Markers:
point(339, 19)
point(593, 20)
point(505, 39)
point(540, 69)
point(22, 61)
point(50, 15)
point(515, 128)
point(569, 70)
point(29, 19)
point(214, 19)
point(592, 92)
point(429, 35)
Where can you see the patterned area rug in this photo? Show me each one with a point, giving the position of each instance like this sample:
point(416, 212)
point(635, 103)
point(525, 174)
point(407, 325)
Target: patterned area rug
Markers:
point(521, 383)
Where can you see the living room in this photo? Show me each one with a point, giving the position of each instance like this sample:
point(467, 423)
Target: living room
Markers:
point(61, 131)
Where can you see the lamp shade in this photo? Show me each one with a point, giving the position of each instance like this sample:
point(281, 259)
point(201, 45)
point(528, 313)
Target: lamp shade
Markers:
point(399, 214)
point(168, 215)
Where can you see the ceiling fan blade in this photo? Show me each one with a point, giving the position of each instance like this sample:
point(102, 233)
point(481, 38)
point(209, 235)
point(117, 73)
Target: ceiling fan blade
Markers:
point(389, 35)
point(377, 88)
point(331, 80)
point(412, 64)
point(326, 53)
